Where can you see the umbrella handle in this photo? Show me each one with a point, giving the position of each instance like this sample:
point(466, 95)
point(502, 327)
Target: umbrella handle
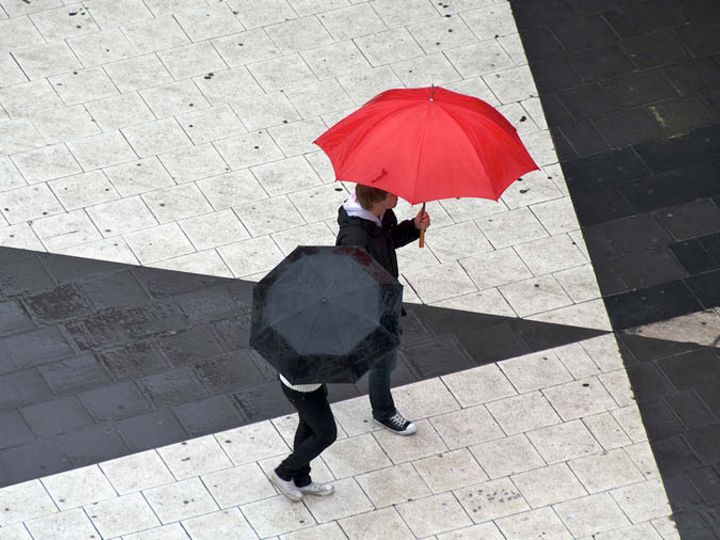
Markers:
point(422, 232)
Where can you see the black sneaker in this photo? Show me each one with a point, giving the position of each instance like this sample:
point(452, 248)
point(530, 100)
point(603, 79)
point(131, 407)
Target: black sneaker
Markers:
point(398, 424)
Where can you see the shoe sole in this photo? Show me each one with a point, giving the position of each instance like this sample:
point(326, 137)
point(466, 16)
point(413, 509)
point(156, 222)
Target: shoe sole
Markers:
point(401, 433)
point(291, 496)
point(318, 494)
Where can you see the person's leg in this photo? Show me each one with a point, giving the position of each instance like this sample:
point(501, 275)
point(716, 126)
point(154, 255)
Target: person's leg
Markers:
point(381, 400)
point(314, 411)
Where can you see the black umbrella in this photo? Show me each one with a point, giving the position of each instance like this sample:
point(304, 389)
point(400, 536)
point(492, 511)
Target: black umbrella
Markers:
point(326, 314)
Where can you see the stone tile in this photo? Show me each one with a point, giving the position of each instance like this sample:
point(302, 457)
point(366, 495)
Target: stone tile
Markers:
point(79, 487)
point(440, 282)
point(564, 442)
point(393, 485)
point(513, 84)
point(533, 524)
point(139, 177)
point(247, 150)
point(40, 61)
point(28, 203)
point(486, 531)
point(269, 216)
point(211, 230)
point(63, 230)
point(363, 84)
point(193, 163)
point(11, 72)
point(534, 296)
point(15, 532)
point(208, 22)
point(433, 515)
point(155, 34)
point(441, 33)
point(319, 203)
point(512, 227)
point(606, 471)
point(605, 352)
point(295, 138)
point(495, 19)
point(108, 14)
point(347, 500)
point(203, 262)
point(287, 175)
point(557, 216)
point(46, 163)
point(283, 72)
point(194, 457)
point(174, 98)
point(384, 523)
point(10, 178)
point(158, 243)
point(356, 455)
point(495, 268)
point(101, 47)
point(643, 531)
point(316, 234)
point(425, 398)
point(19, 32)
point(175, 203)
point(277, 515)
point(18, 135)
point(453, 242)
point(189, 60)
point(488, 301)
point(412, 259)
point(643, 501)
point(466, 427)
point(478, 58)
point(124, 515)
point(209, 124)
point(388, 46)
point(234, 86)
point(136, 472)
point(139, 72)
point(342, 58)
point(252, 442)
point(250, 257)
point(590, 314)
point(232, 189)
point(491, 500)
point(523, 413)
point(606, 431)
point(156, 137)
point(29, 98)
point(271, 11)
point(618, 385)
point(507, 456)
point(479, 385)
point(81, 190)
point(167, 532)
point(229, 524)
point(630, 420)
point(181, 500)
point(25, 501)
point(63, 125)
point(264, 110)
point(591, 515)
point(298, 34)
point(246, 47)
point(400, 449)
point(238, 485)
point(102, 150)
point(450, 471)
point(550, 254)
point(83, 85)
point(113, 250)
point(579, 398)
point(579, 283)
point(69, 524)
point(641, 454)
point(548, 485)
point(535, 371)
point(426, 70)
point(122, 216)
point(119, 111)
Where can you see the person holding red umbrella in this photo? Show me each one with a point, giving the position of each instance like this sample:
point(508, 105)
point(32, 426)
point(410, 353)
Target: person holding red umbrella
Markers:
point(367, 220)
point(421, 144)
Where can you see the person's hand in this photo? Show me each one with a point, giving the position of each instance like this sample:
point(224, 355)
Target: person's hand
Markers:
point(422, 220)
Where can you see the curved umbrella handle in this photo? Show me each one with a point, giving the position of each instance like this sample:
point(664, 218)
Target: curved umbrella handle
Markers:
point(422, 232)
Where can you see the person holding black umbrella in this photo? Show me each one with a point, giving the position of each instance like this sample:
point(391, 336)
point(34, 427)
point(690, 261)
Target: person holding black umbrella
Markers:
point(367, 220)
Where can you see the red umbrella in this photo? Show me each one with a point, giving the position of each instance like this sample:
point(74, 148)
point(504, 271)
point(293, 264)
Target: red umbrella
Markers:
point(425, 144)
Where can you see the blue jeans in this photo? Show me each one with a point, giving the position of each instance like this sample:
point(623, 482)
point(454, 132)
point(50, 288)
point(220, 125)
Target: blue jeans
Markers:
point(381, 400)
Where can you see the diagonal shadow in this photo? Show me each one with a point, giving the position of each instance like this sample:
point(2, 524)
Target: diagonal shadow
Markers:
point(100, 359)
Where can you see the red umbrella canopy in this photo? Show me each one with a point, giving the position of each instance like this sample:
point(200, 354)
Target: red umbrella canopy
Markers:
point(425, 144)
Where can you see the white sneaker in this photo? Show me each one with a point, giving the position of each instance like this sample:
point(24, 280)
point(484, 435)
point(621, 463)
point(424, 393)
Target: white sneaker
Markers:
point(286, 487)
point(314, 488)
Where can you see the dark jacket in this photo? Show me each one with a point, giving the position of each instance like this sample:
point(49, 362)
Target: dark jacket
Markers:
point(380, 242)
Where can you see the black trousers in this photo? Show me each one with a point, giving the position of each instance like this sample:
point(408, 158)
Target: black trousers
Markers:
point(315, 432)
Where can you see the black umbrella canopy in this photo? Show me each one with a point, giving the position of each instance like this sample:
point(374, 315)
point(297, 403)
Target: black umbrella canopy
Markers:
point(326, 314)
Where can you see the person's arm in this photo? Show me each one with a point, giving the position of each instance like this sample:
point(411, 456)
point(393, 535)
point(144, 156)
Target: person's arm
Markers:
point(404, 233)
point(352, 236)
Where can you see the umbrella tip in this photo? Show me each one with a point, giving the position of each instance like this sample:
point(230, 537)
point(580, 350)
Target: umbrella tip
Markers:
point(432, 91)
